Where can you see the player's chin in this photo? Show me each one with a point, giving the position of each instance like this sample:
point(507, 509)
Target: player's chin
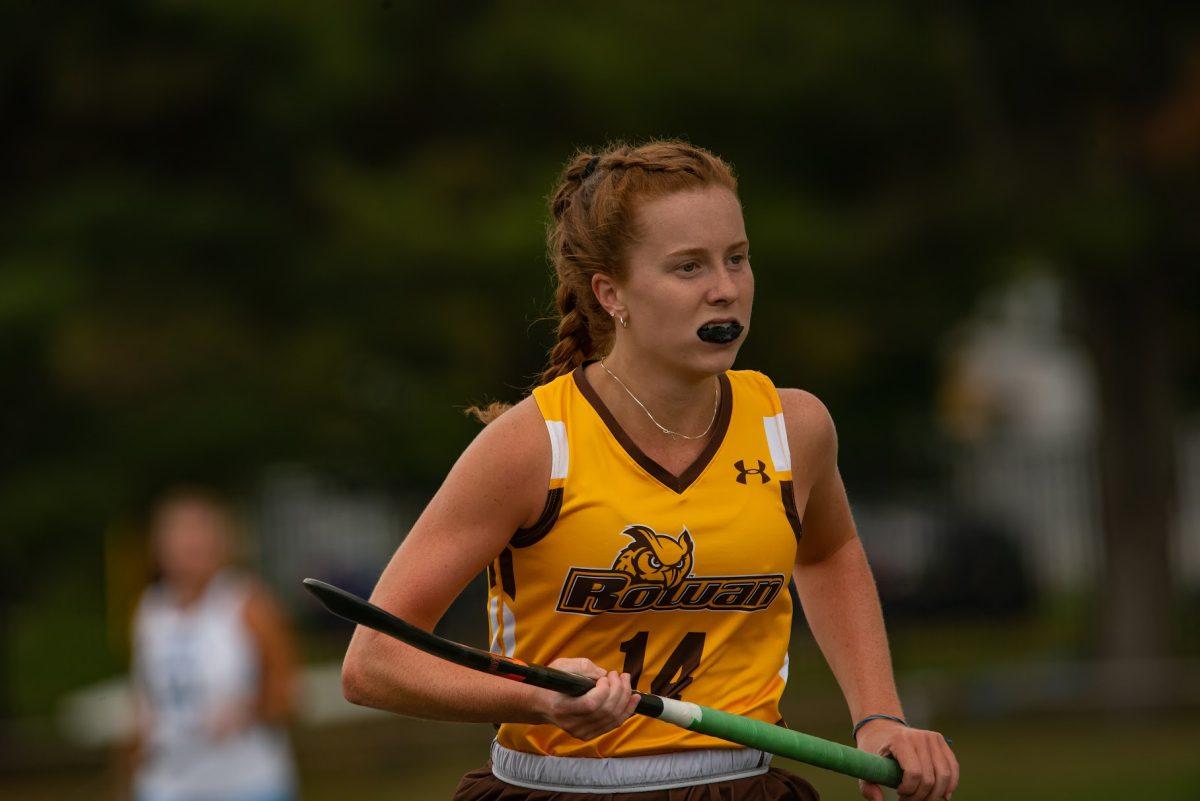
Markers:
point(712, 358)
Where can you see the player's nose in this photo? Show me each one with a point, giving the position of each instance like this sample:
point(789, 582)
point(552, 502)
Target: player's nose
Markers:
point(724, 288)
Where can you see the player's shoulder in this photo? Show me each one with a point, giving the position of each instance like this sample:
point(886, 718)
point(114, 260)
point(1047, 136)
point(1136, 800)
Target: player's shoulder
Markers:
point(260, 609)
point(804, 413)
point(509, 462)
point(148, 604)
point(517, 440)
point(254, 591)
point(518, 426)
point(810, 427)
point(804, 407)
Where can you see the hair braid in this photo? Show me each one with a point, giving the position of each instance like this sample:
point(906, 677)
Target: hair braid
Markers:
point(574, 343)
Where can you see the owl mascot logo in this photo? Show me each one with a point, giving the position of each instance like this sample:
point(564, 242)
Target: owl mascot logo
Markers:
point(654, 558)
point(654, 572)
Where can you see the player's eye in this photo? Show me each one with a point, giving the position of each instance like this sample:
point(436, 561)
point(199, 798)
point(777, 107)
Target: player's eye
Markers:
point(739, 259)
point(690, 267)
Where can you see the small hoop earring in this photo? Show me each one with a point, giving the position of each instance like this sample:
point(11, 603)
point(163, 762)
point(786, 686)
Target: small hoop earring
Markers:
point(624, 322)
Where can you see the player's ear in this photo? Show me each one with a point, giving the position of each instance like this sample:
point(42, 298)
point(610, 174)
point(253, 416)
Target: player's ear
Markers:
point(608, 294)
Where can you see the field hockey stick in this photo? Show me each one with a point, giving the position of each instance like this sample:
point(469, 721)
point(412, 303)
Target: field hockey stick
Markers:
point(734, 728)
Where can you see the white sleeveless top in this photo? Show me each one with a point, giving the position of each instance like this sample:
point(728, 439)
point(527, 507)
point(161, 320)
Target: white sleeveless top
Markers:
point(190, 663)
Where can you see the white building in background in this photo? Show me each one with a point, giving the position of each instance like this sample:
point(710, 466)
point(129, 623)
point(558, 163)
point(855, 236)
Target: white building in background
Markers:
point(1019, 398)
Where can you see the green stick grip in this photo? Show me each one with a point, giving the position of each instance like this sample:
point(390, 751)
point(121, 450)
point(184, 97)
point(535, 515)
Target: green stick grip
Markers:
point(799, 746)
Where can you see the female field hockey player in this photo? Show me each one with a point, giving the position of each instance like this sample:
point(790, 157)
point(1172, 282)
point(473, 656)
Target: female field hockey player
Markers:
point(214, 667)
point(639, 517)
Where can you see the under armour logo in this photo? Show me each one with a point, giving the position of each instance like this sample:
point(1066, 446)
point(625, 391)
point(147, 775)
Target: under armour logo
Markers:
point(759, 471)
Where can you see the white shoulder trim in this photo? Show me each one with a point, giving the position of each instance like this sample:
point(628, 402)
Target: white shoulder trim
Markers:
point(558, 448)
point(777, 441)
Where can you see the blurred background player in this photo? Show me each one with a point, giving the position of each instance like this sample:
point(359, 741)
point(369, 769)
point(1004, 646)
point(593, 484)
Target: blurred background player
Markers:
point(214, 666)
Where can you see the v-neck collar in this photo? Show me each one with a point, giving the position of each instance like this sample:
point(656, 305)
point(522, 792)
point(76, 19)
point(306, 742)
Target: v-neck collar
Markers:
point(676, 483)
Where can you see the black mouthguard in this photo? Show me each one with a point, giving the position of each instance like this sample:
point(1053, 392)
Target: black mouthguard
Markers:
point(720, 332)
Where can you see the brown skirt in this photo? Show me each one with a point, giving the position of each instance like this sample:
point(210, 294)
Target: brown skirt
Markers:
point(774, 785)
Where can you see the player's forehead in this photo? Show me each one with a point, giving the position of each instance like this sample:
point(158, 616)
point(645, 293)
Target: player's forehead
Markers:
point(708, 218)
point(191, 524)
point(187, 512)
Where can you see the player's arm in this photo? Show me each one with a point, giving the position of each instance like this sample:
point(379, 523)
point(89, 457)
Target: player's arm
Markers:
point(841, 605)
point(498, 485)
point(832, 577)
point(273, 700)
point(272, 635)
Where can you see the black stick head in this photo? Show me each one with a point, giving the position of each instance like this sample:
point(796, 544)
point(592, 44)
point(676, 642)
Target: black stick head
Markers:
point(341, 603)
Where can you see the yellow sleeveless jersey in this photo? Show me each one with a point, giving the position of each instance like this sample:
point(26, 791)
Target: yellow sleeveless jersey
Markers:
point(681, 581)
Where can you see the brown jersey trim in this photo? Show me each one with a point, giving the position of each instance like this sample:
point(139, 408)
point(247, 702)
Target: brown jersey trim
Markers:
point(508, 579)
point(524, 537)
point(795, 594)
point(789, 508)
point(676, 483)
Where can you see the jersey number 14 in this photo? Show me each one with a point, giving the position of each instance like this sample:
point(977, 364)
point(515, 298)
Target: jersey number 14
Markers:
point(676, 673)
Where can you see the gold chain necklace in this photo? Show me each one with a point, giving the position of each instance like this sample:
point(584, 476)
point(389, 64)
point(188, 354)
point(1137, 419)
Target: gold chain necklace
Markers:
point(661, 427)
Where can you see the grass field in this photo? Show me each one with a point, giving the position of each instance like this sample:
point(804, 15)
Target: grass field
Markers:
point(1074, 758)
